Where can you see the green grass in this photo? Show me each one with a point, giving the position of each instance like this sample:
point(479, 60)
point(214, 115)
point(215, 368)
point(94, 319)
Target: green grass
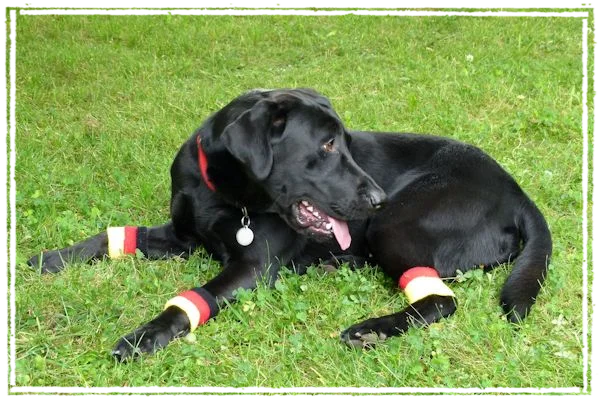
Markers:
point(105, 102)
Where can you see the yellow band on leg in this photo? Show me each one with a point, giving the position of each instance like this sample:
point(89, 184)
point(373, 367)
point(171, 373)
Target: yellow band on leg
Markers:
point(420, 282)
point(420, 288)
point(116, 240)
point(188, 307)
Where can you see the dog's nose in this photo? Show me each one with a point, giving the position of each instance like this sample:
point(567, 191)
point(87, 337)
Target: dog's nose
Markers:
point(377, 199)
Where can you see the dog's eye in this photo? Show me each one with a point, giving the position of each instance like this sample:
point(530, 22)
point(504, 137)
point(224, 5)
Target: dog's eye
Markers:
point(328, 146)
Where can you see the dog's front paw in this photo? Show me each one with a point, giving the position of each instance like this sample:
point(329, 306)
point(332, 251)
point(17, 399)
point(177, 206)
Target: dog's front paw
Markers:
point(153, 336)
point(365, 335)
point(47, 262)
point(144, 340)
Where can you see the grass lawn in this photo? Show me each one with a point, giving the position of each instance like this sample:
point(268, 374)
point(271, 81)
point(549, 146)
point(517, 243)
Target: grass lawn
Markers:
point(104, 102)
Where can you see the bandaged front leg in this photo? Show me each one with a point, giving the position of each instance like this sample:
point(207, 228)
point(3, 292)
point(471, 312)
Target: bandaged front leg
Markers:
point(125, 240)
point(182, 314)
point(198, 304)
point(421, 282)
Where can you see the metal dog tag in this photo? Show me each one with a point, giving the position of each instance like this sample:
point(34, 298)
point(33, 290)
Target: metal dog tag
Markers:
point(244, 235)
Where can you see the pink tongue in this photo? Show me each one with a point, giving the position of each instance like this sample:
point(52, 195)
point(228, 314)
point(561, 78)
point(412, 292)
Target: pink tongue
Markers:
point(341, 232)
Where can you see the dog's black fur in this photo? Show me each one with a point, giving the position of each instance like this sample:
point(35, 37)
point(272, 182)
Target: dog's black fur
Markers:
point(447, 205)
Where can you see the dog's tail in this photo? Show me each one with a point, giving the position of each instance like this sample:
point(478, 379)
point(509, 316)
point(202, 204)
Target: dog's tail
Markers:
point(529, 271)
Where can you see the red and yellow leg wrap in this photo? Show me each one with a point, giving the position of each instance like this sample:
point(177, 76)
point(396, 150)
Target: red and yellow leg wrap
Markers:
point(420, 282)
point(121, 241)
point(197, 304)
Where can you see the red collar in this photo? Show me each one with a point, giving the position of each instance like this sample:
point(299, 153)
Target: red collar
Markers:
point(203, 164)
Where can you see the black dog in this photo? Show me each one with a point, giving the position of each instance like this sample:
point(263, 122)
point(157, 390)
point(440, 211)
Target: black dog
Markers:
point(275, 179)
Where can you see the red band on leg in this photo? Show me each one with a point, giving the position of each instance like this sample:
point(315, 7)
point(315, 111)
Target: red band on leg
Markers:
point(130, 242)
point(200, 304)
point(421, 282)
point(416, 272)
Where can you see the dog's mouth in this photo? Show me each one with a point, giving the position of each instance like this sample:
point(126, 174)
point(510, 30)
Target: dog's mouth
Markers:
point(316, 221)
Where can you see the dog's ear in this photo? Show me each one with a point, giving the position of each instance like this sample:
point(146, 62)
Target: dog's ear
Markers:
point(248, 138)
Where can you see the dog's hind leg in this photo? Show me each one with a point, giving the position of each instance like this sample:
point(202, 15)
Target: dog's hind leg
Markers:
point(155, 242)
point(429, 297)
point(421, 313)
point(400, 247)
point(430, 300)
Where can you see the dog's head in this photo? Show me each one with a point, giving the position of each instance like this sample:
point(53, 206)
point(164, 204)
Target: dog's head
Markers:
point(294, 145)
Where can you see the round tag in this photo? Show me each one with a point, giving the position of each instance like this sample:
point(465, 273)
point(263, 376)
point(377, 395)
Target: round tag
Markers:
point(244, 236)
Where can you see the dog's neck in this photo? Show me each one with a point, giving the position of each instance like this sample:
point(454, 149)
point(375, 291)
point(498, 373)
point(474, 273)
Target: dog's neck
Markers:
point(203, 164)
point(244, 235)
